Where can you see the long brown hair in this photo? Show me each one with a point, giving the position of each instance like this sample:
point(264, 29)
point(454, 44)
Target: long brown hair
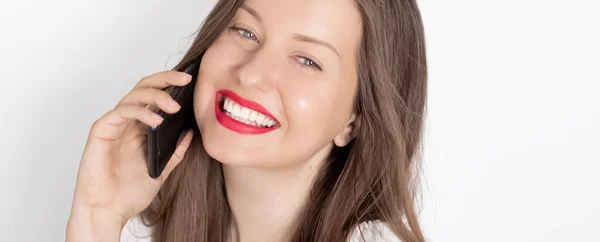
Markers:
point(373, 177)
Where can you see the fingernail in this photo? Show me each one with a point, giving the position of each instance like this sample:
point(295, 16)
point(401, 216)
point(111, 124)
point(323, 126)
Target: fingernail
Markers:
point(173, 103)
point(184, 75)
point(156, 116)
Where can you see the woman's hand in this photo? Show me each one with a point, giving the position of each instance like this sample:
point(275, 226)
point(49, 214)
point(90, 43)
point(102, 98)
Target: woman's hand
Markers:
point(113, 183)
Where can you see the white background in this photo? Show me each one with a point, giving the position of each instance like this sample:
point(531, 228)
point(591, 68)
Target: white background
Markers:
point(512, 139)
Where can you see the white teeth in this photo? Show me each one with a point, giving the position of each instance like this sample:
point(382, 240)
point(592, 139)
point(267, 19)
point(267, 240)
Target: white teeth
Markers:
point(236, 110)
point(259, 118)
point(246, 115)
point(228, 105)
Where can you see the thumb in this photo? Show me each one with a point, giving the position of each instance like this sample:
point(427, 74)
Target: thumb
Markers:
point(185, 139)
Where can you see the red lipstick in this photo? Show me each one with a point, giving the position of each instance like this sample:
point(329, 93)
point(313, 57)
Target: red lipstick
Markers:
point(235, 125)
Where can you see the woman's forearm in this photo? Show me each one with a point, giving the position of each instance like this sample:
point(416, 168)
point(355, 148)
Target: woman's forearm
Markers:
point(94, 226)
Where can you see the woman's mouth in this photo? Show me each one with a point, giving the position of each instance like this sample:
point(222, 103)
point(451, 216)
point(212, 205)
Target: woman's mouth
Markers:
point(242, 115)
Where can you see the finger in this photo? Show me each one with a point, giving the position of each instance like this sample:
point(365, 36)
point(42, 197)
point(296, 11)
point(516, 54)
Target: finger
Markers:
point(151, 96)
point(110, 125)
point(178, 155)
point(164, 79)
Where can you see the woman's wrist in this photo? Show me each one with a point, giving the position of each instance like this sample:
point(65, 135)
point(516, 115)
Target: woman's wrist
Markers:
point(93, 224)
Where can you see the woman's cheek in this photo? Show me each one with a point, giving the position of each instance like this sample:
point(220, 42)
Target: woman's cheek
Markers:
point(308, 110)
point(303, 104)
point(305, 100)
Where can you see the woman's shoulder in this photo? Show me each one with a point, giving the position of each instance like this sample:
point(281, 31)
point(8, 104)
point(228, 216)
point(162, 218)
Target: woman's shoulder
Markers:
point(369, 231)
point(136, 231)
point(373, 231)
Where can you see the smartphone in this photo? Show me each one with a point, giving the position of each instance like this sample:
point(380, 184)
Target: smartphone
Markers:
point(162, 139)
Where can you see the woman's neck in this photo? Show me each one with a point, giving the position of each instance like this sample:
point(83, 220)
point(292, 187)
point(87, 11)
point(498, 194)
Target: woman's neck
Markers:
point(265, 202)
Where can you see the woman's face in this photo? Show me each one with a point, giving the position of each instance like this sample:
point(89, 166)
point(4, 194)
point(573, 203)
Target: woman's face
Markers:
point(287, 71)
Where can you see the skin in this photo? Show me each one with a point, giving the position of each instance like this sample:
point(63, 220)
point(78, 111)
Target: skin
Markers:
point(268, 176)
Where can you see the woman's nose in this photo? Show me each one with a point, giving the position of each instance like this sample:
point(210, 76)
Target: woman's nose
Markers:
point(259, 70)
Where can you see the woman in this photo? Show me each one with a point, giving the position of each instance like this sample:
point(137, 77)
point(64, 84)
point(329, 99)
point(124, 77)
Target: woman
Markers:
point(328, 151)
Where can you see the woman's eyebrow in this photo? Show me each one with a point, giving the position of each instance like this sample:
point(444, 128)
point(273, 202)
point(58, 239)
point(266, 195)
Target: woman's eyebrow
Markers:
point(251, 11)
point(299, 37)
point(309, 39)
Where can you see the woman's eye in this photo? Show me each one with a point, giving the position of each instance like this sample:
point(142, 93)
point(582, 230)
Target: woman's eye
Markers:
point(244, 34)
point(308, 63)
point(248, 35)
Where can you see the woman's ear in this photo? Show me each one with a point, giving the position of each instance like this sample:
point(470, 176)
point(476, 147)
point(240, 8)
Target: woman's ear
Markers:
point(348, 133)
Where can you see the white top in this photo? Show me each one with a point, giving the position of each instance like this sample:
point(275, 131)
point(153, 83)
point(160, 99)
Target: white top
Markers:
point(372, 231)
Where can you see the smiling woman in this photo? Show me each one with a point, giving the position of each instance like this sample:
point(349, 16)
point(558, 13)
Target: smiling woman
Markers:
point(309, 122)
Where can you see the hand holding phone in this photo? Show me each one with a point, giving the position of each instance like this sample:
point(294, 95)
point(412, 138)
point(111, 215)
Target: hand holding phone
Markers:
point(109, 182)
point(162, 138)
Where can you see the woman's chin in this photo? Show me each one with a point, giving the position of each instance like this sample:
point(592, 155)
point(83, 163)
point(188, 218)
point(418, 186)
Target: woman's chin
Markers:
point(225, 155)
point(235, 160)
point(234, 149)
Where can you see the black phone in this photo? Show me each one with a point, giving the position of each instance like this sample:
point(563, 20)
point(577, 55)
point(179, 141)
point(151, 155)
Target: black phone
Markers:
point(162, 139)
